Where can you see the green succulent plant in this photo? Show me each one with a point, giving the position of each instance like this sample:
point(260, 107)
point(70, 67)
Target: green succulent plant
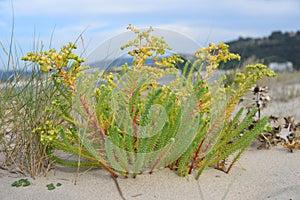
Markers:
point(132, 124)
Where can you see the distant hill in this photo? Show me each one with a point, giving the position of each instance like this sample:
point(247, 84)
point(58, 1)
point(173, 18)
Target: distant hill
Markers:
point(12, 75)
point(278, 47)
point(7, 75)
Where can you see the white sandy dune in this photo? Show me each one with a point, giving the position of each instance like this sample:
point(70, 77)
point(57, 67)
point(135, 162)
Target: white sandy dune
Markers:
point(259, 174)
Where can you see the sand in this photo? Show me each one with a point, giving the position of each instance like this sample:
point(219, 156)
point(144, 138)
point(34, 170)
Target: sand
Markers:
point(259, 174)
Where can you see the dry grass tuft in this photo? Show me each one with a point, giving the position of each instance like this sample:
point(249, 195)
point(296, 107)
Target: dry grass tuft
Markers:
point(23, 103)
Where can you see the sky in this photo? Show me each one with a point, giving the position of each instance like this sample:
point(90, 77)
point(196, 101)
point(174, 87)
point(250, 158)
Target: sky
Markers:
point(203, 21)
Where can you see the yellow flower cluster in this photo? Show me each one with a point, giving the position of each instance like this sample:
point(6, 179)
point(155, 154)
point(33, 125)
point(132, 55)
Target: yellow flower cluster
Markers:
point(110, 80)
point(214, 54)
point(48, 132)
point(146, 47)
point(65, 63)
point(255, 72)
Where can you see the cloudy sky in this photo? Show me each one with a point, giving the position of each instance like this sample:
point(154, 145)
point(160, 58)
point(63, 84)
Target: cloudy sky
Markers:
point(202, 20)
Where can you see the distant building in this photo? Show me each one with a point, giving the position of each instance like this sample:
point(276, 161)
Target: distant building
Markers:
point(281, 67)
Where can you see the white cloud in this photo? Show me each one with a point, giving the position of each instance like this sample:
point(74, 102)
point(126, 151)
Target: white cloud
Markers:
point(203, 35)
point(78, 7)
point(202, 20)
point(88, 8)
point(258, 9)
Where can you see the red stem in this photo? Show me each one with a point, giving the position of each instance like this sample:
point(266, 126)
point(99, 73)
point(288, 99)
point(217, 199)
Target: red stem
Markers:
point(195, 156)
point(91, 116)
point(135, 125)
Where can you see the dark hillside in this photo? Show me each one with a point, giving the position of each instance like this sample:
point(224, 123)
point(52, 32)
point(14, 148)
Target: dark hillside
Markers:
point(278, 47)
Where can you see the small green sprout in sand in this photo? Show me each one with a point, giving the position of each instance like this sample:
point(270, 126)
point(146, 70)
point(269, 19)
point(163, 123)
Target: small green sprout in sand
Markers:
point(21, 182)
point(51, 186)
